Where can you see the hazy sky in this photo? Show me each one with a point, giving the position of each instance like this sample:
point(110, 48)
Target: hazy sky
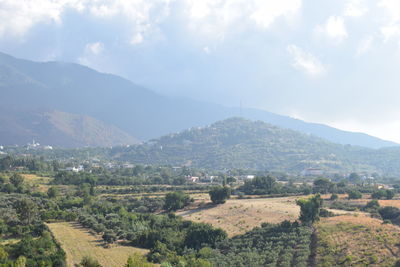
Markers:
point(330, 61)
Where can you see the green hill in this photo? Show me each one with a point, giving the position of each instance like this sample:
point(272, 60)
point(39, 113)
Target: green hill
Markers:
point(241, 143)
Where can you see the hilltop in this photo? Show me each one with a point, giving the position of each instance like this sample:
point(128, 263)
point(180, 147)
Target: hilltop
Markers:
point(242, 143)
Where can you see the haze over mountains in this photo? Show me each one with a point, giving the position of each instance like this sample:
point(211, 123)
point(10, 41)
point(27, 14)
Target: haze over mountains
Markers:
point(118, 110)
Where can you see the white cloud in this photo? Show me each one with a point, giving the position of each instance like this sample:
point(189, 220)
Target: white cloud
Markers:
point(266, 12)
point(95, 48)
point(355, 8)
point(305, 61)
point(365, 45)
point(214, 18)
point(334, 28)
point(19, 16)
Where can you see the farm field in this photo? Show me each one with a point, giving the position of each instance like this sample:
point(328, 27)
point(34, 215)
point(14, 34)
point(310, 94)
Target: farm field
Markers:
point(77, 242)
point(356, 240)
point(238, 216)
point(41, 184)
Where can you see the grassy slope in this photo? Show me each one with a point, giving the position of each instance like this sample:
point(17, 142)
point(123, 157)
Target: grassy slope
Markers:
point(78, 242)
point(238, 216)
point(356, 241)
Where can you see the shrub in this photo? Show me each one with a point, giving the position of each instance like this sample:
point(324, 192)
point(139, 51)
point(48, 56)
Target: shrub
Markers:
point(354, 194)
point(176, 200)
point(220, 194)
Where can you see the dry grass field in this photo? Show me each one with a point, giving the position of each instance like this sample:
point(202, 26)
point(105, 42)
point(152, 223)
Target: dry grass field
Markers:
point(77, 242)
point(238, 216)
point(356, 240)
point(41, 184)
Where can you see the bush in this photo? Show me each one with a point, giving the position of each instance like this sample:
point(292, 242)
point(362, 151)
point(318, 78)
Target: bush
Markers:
point(220, 194)
point(326, 213)
point(334, 197)
point(354, 194)
point(176, 200)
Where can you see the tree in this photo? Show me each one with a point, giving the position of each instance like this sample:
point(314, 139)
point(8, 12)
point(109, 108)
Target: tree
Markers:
point(176, 200)
point(53, 192)
point(354, 194)
point(390, 194)
point(110, 237)
point(137, 260)
point(354, 178)
point(220, 194)
point(88, 262)
point(27, 210)
point(334, 197)
point(202, 234)
point(309, 209)
point(17, 180)
point(322, 185)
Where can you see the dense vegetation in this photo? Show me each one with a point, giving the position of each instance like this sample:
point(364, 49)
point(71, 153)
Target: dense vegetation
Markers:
point(21, 219)
point(240, 143)
point(286, 244)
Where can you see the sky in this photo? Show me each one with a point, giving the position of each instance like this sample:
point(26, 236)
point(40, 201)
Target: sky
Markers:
point(332, 62)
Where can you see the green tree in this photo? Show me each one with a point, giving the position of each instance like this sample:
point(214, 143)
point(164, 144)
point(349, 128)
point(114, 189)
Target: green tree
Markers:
point(88, 262)
point(17, 180)
point(27, 210)
point(220, 194)
point(202, 234)
point(53, 192)
point(176, 200)
point(310, 209)
point(322, 185)
point(354, 194)
point(137, 260)
point(20, 262)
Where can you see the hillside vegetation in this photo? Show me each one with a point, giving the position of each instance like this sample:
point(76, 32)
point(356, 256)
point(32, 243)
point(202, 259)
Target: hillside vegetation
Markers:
point(241, 143)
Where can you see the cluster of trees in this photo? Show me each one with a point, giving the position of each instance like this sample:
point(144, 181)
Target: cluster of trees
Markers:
point(14, 184)
point(138, 175)
point(285, 244)
point(176, 200)
point(21, 218)
point(167, 236)
point(31, 163)
point(268, 185)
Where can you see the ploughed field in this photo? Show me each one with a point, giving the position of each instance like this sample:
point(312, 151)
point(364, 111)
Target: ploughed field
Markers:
point(78, 242)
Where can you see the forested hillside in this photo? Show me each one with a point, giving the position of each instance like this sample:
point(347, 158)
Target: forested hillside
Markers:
point(241, 143)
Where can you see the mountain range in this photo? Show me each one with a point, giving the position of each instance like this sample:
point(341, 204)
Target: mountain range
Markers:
point(119, 111)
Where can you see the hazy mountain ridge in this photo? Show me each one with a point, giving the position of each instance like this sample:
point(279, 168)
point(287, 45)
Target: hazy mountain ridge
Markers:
point(140, 112)
point(60, 129)
point(241, 143)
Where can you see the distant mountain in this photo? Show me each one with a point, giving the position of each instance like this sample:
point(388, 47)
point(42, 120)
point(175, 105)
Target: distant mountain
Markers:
point(141, 113)
point(59, 129)
point(241, 143)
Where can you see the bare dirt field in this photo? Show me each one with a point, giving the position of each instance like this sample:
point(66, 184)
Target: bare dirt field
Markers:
point(77, 242)
point(238, 216)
